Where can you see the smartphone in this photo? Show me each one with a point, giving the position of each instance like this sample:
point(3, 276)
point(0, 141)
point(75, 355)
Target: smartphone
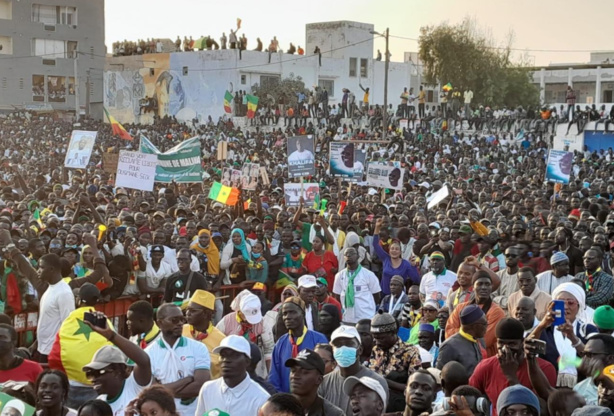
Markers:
point(559, 312)
point(540, 346)
point(95, 320)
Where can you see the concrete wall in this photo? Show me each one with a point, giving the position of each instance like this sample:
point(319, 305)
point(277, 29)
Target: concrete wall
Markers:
point(16, 75)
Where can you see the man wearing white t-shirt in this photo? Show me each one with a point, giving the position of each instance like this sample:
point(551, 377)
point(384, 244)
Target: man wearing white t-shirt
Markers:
point(436, 284)
point(357, 288)
point(109, 373)
point(178, 363)
point(300, 155)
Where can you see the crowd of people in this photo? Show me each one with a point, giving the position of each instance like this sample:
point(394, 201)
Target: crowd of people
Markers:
point(496, 300)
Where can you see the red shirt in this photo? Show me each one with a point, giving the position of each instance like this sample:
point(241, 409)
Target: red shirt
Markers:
point(321, 266)
point(26, 371)
point(489, 378)
point(332, 301)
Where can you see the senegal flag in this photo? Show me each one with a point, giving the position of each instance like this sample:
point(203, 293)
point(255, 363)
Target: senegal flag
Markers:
point(74, 346)
point(37, 217)
point(118, 129)
point(224, 194)
point(252, 105)
point(227, 101)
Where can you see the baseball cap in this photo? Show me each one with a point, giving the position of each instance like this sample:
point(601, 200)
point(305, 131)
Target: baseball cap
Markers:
point(236, 343)
point(345, 331)
point(465, 229)
point(322, 281)
point(250, 307)
point(157, 249)
point(368, 382)
point(307, 281)
point(106, 356)
point(295, 243)
point(307, 359)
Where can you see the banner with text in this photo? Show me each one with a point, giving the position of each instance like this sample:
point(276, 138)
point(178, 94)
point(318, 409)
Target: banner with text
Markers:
point(136, 170)
point(385, 176)
point(181, 163)
point(559, 165)
point(301, 161)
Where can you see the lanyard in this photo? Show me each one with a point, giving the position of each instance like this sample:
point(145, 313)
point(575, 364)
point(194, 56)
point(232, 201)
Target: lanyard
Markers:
point(391, 308)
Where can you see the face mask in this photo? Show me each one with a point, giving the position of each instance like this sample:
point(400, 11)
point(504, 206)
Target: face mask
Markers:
point(345, 356)
point(256, 255)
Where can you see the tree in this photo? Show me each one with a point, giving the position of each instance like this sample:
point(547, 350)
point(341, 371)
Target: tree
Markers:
point(464, 57)
point(287, 89)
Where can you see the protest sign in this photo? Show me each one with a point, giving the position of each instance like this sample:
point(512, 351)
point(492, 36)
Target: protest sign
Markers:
point(14, 407)
point(80, 149)
point(109, 162)
point(359, 165)
point(559, 164)
point(437, 197)
point(342, 159)
point(385, 176)
point(181, 163)
point(301, 161)
point(231, 177)
point(136, 170)
point(249, 176)
point(292, 193)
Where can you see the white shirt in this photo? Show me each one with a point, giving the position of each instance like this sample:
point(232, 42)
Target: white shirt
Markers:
point(243, 399)
point(56, 304)
point(366, 284)
point(129, 392)
point(297, 157)
point(154, 277)
point(309, 318)
point(437, 287)
point(182, 360)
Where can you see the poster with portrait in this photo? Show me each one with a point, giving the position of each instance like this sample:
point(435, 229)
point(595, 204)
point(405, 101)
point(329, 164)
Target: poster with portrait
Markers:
point(558, 168)
point(14, 407)
point(360, 157)
point(342, 159)
point(301, 159)
point(249, 176)
point(292, 193)
point(231, 177)
point(80, 149)
point(385, 176)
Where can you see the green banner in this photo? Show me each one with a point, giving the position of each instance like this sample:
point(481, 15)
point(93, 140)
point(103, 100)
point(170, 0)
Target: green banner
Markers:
point(181, 163)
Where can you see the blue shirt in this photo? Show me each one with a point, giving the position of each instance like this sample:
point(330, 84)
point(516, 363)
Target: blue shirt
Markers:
point(279, 376)
point(405, 270)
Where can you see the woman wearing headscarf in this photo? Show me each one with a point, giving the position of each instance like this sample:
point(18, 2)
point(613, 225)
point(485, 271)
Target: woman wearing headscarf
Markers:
point(353, 240)
point(209, 259)
point(569, 337)
point(321, 262)
point(235, 257)
point(329, 319)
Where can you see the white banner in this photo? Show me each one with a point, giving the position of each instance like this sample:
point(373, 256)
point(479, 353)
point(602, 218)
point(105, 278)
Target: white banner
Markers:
point(80, 149)
point(292, 194)
point(136, 170)
point(385, 176)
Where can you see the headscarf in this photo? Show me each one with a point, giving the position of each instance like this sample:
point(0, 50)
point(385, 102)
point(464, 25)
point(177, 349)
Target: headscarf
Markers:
point(211, 251)
point(242, 247)
point(574, 290)
point(81, 269)
point(351, 239)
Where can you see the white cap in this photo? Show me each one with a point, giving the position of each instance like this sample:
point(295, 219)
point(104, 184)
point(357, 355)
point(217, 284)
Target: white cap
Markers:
point(368, 382)
point(236, 343)
point(307, 281)
point(345, 331)
point(250, 307)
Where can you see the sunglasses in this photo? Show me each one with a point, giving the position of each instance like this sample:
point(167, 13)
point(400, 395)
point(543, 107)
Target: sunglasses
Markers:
point(92, 374)
point(511, 256)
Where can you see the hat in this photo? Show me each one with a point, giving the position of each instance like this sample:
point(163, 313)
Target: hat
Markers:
point(432, 303)
point(558, 257)
point(437, 255)
point(250, 307)
point(216, 234)
point(509, 328)
point(471, 314)
point(590, 410)
point(89, 292)
point(307, 281)
point(604, 317)
point(295, 243)
point(368, 382)
point(106, 356)
point(236, 343)
point(435, 372)
point(297, 301)
point(435, 225)
point(157, 249)
point(307, 359)
point(16, 404)
point(159, 214)
point(383, 322)
point(345, 331)
point(322, 281)
point(426, 328)
point(203, 298)
point(259, 286)
point(465, 229)
point(608, 372)
point(485, 239)
point(398, 279)
point(517, 394)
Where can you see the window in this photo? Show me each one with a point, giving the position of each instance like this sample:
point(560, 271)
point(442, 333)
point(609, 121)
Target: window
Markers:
point(71, 85)
point(6, 9)
point(363, 68)
point(71, 49)
point(6, 45)
point(430, 96)
point(54, 15)
point(185, 70)
point(269, 80)
point(67, 15)
point(50, 48)
point(38, 88)
point(329, 84)
point(56, 89)
point(353, 64)
point(243, 79)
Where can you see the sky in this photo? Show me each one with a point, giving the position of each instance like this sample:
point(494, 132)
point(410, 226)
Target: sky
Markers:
point(562, 31)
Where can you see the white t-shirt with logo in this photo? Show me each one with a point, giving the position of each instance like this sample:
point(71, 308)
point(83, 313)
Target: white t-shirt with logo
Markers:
point(130, 390)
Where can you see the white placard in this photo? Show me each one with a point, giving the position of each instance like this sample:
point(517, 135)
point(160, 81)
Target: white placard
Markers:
point(385, 176)
point(80, 149)
point(437, 197)
point(136, 170)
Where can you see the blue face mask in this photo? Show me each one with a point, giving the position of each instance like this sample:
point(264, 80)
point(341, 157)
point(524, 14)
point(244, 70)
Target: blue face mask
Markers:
point(345, 356)
point(256, 255)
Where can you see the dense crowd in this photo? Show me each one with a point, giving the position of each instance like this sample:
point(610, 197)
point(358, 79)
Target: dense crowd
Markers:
point(496, 300)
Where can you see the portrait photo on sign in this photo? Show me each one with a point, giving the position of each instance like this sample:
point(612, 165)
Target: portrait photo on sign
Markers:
point(360, 156)
point(385, 175)
point(231, 177)
point(342, 159)
point(80, 149)
point(301, 159)
point(292, 193)
point(249, 176)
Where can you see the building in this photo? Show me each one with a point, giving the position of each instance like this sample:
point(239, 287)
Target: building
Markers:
point(191, 85)
point(52, 55)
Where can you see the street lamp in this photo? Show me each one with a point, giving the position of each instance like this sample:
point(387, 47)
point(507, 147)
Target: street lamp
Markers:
point(386, 36)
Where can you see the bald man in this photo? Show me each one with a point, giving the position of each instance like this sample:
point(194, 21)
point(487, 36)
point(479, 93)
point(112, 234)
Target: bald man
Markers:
point(525, 312)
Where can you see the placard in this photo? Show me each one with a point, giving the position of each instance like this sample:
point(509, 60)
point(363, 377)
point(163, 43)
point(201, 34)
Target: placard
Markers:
point(437, 197)
point(559, 165)
point(301, 160)
point(250, 172)
point(231, 177)
point(14, 407)
point(292, 193)
point(342, 159)
point(182, 163)
point(80, 149)
point(109, 162)
point(136, 170)
point(385, 176)
point(359, 165)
